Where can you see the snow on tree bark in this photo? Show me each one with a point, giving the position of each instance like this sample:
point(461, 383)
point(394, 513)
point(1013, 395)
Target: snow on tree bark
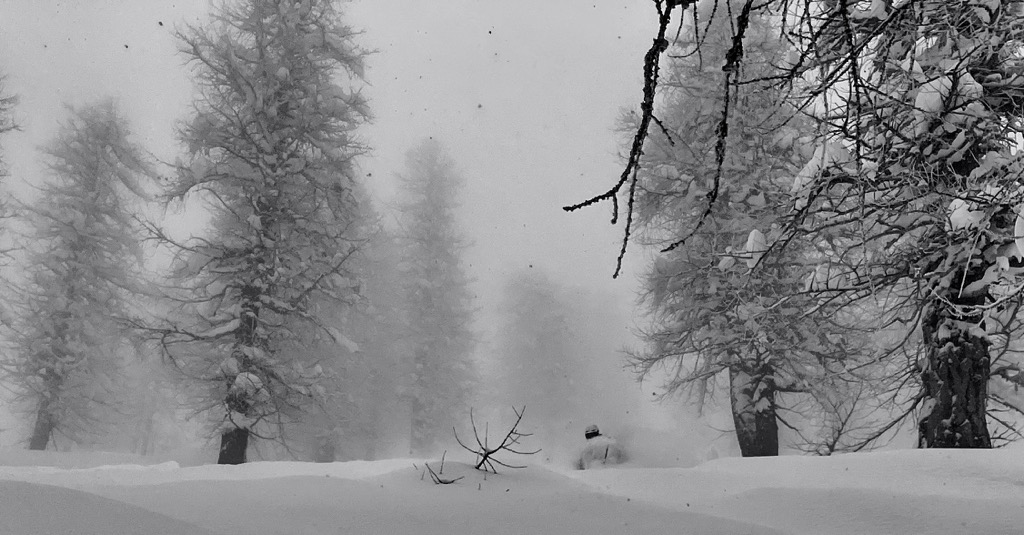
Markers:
point(753, 410)
point(954, 379)
point(927, 192)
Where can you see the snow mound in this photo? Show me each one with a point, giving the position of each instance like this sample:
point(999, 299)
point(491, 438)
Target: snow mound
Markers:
point(909, 491)
point(906, 492)
point(32, 509)
point(170, 472)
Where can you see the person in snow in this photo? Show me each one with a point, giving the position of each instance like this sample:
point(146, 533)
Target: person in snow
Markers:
point(600, 450)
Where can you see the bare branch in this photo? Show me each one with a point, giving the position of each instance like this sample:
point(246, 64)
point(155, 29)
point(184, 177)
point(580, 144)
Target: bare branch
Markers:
point(436, 476)
point(651, 67)
point(486, 461)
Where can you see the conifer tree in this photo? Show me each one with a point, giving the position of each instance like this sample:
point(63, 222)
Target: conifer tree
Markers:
point(271, 142)
point(68, 357)
point(439, 300)
point(377, 375)
point(365, 374)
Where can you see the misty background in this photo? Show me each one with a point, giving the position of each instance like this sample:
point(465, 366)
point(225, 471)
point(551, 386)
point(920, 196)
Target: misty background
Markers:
point(523, 96)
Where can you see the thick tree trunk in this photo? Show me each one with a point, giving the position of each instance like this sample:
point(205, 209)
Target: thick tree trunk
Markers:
point(43, 429)
point(46, 420)
point(753, 411)
point(235, 442)
point(233, 445)
point(955, 377)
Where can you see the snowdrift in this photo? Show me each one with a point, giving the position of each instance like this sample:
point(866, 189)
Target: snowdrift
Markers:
point(890, 492)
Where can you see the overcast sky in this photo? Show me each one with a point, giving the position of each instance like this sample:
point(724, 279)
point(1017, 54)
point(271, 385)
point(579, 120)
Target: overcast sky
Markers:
point(524, 94)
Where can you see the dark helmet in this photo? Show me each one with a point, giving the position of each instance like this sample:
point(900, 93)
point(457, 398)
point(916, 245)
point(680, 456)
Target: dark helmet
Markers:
point(591, 432)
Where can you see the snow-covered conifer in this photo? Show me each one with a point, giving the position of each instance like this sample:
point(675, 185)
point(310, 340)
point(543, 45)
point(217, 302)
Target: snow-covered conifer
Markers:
point(67, 351)
point(271, 142)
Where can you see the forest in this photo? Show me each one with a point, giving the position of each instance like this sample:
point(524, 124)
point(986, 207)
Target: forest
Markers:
point(250, 295)
point(820, 200)
point(835, 191)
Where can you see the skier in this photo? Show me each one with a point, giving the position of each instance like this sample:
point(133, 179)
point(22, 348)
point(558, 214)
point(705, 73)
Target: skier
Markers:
point(600, 450)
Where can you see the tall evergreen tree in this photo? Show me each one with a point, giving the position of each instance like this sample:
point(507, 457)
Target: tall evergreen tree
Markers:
point(271, 143)
point(377, 376)
point(364, 376)
point(68, 355)
point(439, 301)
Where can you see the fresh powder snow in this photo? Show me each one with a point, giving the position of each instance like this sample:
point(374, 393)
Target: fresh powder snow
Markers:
point(904, 492)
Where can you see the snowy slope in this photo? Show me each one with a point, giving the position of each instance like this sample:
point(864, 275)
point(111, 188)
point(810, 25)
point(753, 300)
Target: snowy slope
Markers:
point(32, 509)
point(900, 492)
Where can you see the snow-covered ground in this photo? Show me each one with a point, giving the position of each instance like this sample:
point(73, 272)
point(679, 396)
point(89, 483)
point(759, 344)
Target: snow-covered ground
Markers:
point(894, 492)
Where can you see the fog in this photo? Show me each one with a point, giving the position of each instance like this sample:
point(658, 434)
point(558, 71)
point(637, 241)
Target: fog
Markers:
point(523, 95)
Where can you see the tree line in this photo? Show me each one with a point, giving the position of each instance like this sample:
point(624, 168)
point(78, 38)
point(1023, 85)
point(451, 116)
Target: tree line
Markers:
point(834, 186)
point(287, 316)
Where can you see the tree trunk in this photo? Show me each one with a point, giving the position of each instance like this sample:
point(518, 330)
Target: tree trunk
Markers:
point(326, 451)
point(43, 429)
point(957, 365)
point(418, 437)
point(753, 411)
point(421, 434)
point(147, 436)
point(954, 376)
point(233, 445)
point(235, 442)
